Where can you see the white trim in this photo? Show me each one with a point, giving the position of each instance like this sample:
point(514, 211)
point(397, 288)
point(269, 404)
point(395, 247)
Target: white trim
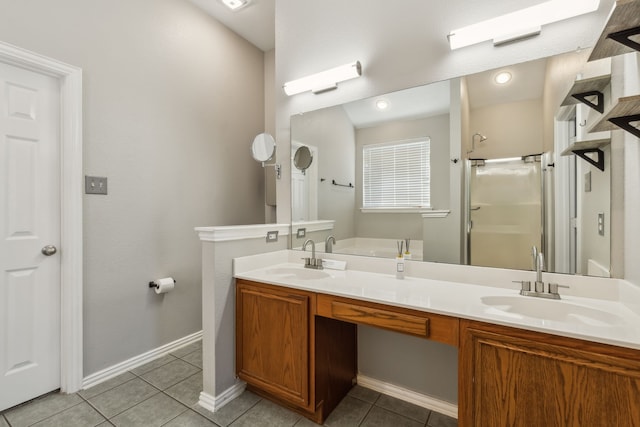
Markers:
point(240, 232)
point(310, 226)
point(134, 362)
point(70, 77)
point(445, 408)
point(395, 210)
point(213, 403)
point(440, 213)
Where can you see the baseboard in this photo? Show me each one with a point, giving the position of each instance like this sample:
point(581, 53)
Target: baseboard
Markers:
point(410, 396)
point(213, 403)
point(134, 362)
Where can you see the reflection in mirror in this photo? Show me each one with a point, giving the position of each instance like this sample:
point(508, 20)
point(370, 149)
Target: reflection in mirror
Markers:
point(263, 147)
point(490, 199)
point(302, 158)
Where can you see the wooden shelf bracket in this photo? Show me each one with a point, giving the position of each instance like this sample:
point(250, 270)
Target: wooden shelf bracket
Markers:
point(598, 105)
point(624, 37)
point(582, 148)
point(624, 122)
point(598, 162)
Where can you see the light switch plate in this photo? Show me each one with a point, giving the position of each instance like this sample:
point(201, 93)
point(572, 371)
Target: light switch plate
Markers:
point(587, 182)
point(301, 233)
point(95, 184)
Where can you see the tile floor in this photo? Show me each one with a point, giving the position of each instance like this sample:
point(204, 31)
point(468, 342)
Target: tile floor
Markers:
point(165, 392)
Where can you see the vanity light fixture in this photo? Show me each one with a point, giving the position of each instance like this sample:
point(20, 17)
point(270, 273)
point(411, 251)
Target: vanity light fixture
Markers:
point(325, 80)
point(235, 4)
point(502, 77)
point(520, 24)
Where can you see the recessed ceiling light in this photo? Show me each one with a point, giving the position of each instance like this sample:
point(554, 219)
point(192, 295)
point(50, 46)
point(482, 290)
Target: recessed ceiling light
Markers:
point(502, 78)
point(382, 104)
point(235, 4)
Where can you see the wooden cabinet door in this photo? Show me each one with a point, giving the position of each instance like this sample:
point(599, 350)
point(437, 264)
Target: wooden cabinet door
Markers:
point(512, 377)
point(272, 341)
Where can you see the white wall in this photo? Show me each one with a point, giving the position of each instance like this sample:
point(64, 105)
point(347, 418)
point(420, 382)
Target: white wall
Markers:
point(172, 100)
point(631, 86)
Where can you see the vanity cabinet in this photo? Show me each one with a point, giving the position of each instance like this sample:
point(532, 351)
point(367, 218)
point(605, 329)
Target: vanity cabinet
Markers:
point(272, 337)
point(513, 377)
point(284, 353)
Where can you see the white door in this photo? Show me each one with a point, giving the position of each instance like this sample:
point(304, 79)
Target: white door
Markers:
point(29, 221)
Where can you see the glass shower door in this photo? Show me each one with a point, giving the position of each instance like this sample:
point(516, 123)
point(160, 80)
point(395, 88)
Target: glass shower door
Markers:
point(505, 212)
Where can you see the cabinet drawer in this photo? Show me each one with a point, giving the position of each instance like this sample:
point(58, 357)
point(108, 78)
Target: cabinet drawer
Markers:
point(425, 325)
point(381, 318)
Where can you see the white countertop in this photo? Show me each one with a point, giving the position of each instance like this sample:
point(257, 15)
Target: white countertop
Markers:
point(604, 320)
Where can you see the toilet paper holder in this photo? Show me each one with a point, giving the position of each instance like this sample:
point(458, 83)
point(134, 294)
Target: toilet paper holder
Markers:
point(153, 284)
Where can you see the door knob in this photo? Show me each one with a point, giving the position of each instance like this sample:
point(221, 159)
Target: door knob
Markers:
point(49, 250)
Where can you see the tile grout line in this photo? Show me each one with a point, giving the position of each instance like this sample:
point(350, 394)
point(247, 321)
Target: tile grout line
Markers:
point(367, 414)
point(96, 409)
point(185, 410)
point(244, 413)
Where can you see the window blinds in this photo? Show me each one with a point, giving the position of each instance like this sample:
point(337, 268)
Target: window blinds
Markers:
point(397, 175)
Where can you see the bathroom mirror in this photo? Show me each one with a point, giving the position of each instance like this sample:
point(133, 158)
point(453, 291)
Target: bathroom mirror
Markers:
point(302, 158)
point(512, 199)
point(263, 147)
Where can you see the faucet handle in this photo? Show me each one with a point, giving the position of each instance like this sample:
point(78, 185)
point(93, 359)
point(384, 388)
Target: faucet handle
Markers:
point(525, 284)
point(553, 287)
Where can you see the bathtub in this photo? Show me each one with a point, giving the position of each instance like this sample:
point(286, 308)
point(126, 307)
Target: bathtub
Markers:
point(383, 248)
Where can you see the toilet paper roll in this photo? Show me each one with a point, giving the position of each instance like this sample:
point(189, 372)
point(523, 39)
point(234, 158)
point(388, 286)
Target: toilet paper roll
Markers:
point(164, 285)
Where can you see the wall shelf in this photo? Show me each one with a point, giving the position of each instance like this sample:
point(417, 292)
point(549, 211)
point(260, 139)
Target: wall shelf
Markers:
point(585, 88)
point(582, 148)
point(623, 24)
point(626, 111)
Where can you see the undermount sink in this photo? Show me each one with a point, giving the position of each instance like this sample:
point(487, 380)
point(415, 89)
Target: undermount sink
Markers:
point(300, 273)
point(553, 310)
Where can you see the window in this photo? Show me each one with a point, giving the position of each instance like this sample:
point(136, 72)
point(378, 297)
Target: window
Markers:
point(396, 174)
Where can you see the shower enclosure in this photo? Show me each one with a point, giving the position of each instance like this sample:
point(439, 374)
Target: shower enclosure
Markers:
point(507, 206)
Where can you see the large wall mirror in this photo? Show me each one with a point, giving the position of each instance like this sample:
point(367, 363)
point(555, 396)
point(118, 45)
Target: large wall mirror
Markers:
point(468, 171)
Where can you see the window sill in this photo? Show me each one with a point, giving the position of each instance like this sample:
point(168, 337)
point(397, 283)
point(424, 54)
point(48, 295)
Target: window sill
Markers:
point(396, 210)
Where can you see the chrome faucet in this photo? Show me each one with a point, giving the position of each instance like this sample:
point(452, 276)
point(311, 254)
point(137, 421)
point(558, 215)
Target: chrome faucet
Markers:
point(538, 290)
point(539, 285)
point(328, 244)
point(312, 262)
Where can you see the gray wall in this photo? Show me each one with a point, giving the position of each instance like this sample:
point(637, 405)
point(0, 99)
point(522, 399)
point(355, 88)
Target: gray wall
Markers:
point(331, 131)
point(405, 225)
point(172, 100)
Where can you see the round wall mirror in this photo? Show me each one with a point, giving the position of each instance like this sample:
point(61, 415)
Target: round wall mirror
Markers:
point(263, 147)
point(302, 158)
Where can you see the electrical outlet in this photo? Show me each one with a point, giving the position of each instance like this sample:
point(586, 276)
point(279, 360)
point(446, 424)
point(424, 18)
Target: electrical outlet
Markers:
point(301, 233)
point(601, 223)
point(272, 236)
point(95, 184)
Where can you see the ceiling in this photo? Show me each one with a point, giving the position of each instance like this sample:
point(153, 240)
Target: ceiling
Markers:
point(255, 22)
point(431, 100)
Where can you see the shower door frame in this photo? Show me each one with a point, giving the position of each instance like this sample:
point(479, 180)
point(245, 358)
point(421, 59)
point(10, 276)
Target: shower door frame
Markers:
point(544, 238)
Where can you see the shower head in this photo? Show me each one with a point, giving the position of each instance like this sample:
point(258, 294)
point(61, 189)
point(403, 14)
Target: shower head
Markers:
point(482, 137)
point(473, 141)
